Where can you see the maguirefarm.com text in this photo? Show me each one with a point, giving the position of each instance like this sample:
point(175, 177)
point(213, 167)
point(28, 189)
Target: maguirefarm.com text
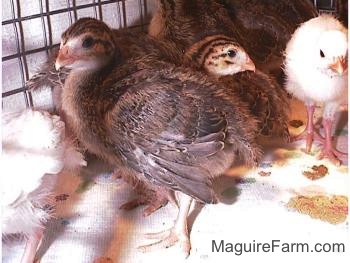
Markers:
point(220, 246)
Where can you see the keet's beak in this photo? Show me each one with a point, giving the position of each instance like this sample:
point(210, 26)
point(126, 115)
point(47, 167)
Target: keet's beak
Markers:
point(340, 66)
point(249, 65)
point(63, 58)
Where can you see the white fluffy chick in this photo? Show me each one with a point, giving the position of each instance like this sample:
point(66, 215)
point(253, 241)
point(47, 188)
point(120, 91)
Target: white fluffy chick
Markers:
point(34, 151)
point(316, 70)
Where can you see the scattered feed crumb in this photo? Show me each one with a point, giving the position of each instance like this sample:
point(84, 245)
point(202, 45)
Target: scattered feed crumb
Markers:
point(296, 123)
point(263, 174)
point(333, 210)
point(318, 171)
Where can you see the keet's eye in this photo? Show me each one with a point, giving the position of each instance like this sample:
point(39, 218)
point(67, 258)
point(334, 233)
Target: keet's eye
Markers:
point(321, 53)
point(88, 42)
point(231, 53)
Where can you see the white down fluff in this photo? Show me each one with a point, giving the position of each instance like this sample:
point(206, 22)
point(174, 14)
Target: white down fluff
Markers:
point(308, 75)
point(34, 152)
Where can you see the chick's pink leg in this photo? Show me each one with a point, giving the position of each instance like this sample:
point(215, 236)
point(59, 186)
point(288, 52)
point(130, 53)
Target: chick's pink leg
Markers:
point(32, 246)
point(328, 151)
point(309, 134)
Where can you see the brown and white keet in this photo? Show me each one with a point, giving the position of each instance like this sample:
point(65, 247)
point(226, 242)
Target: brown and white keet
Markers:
point(171, 127)
point(219, 56)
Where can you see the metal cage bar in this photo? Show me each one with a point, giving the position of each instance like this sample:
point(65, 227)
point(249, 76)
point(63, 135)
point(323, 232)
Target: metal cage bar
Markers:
point(20, 46)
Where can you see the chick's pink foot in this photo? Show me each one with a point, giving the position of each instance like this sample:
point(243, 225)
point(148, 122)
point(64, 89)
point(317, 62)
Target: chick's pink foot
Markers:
point(330, 155)
point(309, 138)
point(328, 151)
point(309, 134)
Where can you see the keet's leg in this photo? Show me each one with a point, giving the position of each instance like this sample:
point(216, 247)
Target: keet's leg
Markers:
point(178, 233)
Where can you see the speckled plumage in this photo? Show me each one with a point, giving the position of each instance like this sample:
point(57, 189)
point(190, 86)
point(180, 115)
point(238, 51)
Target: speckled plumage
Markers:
point(342, 11)
point(187, 22)
point(172, 127)
point(218, 55)
point(266, 100)
point(263, 27)
point(48, 76)
point(196, 29)
point(161, 92)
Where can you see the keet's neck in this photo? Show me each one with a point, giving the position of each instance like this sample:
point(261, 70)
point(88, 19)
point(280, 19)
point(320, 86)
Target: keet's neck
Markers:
point(74, 94)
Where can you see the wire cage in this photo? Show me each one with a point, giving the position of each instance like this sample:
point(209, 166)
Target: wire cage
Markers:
point(32, 27)
point(325, 6)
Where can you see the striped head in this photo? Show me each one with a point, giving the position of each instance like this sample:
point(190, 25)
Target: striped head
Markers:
point(220, 56)
point(86, 45)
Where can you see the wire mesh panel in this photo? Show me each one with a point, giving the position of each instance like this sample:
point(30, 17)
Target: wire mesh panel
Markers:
point(32, 27)
point(325, 6)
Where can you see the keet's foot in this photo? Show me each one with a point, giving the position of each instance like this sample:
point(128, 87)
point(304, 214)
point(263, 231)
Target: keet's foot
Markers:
point(176, 235)
point(152, 205)
point(167, 239)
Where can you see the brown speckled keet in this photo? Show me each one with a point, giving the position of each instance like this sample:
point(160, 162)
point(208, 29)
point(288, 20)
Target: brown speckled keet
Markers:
point(262, 28)
point(173, 128)
point(197, 31)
